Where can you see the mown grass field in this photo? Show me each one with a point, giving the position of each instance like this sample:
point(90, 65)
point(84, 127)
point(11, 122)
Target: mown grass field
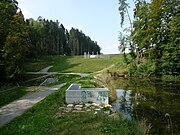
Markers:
point(73, 64)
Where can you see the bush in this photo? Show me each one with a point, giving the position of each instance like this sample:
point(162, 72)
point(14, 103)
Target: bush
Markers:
point(142, 69)
point(132, 69)
point(145, 69)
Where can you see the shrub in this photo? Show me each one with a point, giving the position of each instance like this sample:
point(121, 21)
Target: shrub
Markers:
point(132, 68)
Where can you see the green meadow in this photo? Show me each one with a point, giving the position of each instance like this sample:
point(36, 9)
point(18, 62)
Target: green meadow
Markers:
point(73, 64)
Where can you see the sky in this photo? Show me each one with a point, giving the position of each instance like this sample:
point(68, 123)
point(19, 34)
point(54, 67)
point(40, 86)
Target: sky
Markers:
point(98, 19)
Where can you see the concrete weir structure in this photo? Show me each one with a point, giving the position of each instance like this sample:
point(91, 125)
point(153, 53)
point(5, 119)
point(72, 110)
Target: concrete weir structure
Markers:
point(76, 94)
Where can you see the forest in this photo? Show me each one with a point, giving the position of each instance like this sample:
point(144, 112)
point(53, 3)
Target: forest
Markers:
point(28, 38)
point(153, 37)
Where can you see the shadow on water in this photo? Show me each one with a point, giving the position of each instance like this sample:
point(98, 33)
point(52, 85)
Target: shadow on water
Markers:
point(156, 101)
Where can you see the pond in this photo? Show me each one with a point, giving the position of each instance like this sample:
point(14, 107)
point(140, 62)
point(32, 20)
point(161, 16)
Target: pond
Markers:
point(155, 101)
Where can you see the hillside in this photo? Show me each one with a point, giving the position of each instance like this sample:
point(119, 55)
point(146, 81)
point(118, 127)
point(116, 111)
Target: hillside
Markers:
point(73, 64)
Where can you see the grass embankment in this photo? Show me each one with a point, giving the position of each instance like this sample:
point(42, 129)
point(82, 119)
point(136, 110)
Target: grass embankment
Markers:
point(11, 93)
point(36, 64)
point(43, 119)
point(7, 96)
point(72, 64)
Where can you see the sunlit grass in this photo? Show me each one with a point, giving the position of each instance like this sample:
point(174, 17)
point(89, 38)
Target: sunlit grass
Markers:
point(76, 64)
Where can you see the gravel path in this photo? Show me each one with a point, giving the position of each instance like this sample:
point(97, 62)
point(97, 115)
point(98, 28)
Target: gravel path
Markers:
point(16, 108)
point(45, 69)
point(57, 73)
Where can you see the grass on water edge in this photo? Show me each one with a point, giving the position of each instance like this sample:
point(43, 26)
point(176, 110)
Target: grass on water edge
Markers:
point(42, 118)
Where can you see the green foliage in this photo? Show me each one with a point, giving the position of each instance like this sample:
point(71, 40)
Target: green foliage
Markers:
point(132, 68)
point(125, 40)
point(14, 54)
point(156, 37)
point(122, 10)
point(144, 68)
point(13, 41)
point(80, 43)
point(7, 11)
point(171, 78)
point(49, 38)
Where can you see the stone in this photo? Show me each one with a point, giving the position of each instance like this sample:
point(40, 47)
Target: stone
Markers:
point(76, 111)
point(88, 105)
point(88, 110)
point(79, 109)
point(107, 112)
point(97, 109)
point(70, 106)
point(94, 104)
point(67, 110)
point(107, 105)
point(92, 107)
point(101, 107)
point(61, 108)
point(78, 106)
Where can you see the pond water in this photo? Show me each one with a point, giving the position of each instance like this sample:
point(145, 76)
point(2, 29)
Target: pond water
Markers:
point(156, 101)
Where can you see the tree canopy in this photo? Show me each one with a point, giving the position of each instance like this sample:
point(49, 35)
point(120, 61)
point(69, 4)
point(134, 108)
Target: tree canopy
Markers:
point(49, 37)
point(14, 39)
point(21, 39)
point(155, 37)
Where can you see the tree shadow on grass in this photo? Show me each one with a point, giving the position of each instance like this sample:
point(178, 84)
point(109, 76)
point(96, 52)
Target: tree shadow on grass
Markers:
point(63, 65)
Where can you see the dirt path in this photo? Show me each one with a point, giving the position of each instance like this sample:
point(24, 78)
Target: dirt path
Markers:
point(16, 108)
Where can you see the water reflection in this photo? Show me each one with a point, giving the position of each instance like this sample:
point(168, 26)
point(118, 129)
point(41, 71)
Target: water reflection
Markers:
point(156, 101)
